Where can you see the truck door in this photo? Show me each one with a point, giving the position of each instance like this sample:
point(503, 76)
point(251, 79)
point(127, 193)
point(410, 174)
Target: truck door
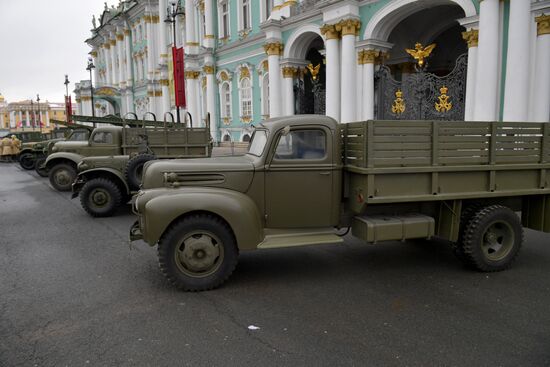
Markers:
point(299, 179)
point(103, 143)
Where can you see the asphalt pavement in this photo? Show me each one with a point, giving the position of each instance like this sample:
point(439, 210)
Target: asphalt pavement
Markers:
point(73, 293)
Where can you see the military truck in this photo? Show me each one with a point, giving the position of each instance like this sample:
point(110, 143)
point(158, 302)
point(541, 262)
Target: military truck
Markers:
point(106, 182)
point(305, 179)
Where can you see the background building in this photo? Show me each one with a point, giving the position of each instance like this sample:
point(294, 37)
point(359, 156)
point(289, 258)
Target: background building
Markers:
point(247, 60)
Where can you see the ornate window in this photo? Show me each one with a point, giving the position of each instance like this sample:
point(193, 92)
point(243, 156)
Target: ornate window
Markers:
point(244, 15)
point(226, 100)
point(245, 92)
point(266, 6)
point(223, 18)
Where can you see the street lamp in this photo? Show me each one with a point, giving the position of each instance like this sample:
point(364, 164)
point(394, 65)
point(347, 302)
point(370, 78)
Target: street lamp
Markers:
point(66, 85)
point(90, 67)
point(38, 101)
point(67, 111)
point(171, 13)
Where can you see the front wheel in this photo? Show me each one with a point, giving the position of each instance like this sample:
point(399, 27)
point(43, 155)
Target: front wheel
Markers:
point(100, 197)
point(492, 238)
point(62, 176)
point(40, 167)
point(198, 253)
point(27, 161)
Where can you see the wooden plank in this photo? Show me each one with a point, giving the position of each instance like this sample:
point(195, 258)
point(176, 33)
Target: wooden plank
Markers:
point(518, 153)
point(528, 145)
point(517, 159)
point(463, 153)
point(370, 147)
point(382, 162)
point(522, 139)
point(493, 142)
point(400, 130)
point(356, 139)
point(401, 146)
point(463, 160)
point(403, 153)
point(355, 146)
point(464, 145)
point(522, 124)
point(464, 131)
point(462, 124)
point(400, 124)
point(435, 145)
point(403, 139)
point(463, 139)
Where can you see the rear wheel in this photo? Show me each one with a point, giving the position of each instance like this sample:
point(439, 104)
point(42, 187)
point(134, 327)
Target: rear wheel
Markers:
point(469, 211)
point(40, 167)
point(198, 253)
point(134, 169)
point(62, 176)
point(27, 161)
point(492, 238)
point(100, 197)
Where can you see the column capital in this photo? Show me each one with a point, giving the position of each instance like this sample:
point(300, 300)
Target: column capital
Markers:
point(164, 82)
point(543, 24)
point(289, 71)
point(208, 69)
point(349, 26)
point(367, 56)
point(112, 42)
point(274, 48)
point(126, 31)
point(192, 74)
point(93, 53)
point(106, 46)
point(471, 37)
point(330, 32)
point(120, 36)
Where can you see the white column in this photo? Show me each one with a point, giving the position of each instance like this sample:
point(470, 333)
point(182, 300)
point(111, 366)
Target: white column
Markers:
point(348, 94)
point(48, 118)
point(21, 118)
point(487, 81)
point(114, 57)
point(120, 54)
point(150, 49)
point(209, 20)
point(274, 50)
point(211, 105)
point(516, 93)
point(332, 46)
point(368, 59)
point(28, 122)
point(128, 50)
point(193, 100)
point(93, 54)
point(471, 38)
point(163, 34)
point(288, 90)
point(191, 38)
point(13, 123)
point(108, 71)
point(541, 98)
point(2, 119)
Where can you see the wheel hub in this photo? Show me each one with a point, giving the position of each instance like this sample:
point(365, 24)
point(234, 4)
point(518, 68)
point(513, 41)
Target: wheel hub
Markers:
point(199, 253)
point(498, 241)
point(100, 197)
point(63, 177)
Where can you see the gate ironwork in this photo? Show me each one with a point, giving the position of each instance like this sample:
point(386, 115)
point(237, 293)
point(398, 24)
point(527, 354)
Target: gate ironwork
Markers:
point(312, 102)
point(422, 95)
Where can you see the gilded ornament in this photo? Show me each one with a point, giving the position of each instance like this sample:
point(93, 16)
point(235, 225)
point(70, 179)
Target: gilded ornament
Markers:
point(471, 37)
point(245, 73)
point(208, 69)
point(246, 119)
point(226, 120)
point(126, 32)
point(420, 53)
point(367, 56)
point(201, 6)
point(265, 65)
point(349, 27)
point(112, 42)
point(93, 53)
point(164, 82)
point(224, 76)
point(209, 36)
point(191, 44)
point(289, 72)
point(155, 18)
point(191, 74)
point(314, 70)
point(444, 105)
point(398, 106)
point(203, 82)
point(543, 24)
point(330, 32)
point(274, 48)
point(120, 36)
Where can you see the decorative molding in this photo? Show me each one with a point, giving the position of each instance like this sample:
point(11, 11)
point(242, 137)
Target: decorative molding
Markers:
point(209, 36)
point(164, 82)
point(289, 71)
point(367, 56)
point(471, 37)
point(398, 106)
point(246, 119)
point(147, 19)
point(155, 19)
point(274, 48)
point(244, 72)
point(208, 69)
point(93, 53)
point(126, 32)
point(191, 44)
point(106, 46)
point(112, 42)
point(85, 98)
point(120, 36)
point(444, 105)
point(543, 24)
point(191, 74)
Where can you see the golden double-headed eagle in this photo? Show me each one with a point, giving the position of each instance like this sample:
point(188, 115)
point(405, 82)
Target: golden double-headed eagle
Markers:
point(420, 53)
point(314, 70)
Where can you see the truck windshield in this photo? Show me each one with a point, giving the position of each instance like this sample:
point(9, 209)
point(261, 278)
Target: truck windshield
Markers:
point(257, 143)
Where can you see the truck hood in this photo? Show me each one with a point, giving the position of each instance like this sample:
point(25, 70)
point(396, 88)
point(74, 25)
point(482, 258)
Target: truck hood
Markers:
point(69, 146)
point(233, 173)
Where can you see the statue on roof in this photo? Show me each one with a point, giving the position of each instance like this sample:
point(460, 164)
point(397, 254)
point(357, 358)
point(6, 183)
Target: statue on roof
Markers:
point(94, 21)
point(106, 7)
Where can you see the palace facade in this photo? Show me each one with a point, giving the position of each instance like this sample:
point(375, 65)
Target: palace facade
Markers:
point(247, 60)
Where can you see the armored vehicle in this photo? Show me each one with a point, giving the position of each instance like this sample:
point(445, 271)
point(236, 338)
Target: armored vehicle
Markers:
point(106, 182)
point(306, 178)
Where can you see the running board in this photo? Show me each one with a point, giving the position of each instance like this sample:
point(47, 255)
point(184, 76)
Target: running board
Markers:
point(294, 239)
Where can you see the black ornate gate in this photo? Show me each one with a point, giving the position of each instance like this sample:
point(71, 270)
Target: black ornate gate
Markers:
point(422, 96)
point(310, 102)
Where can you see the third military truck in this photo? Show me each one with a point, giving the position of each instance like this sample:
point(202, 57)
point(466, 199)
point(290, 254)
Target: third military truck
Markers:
point(306, 179)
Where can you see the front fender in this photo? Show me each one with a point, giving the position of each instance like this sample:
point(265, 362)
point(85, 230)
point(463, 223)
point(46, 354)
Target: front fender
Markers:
point(237, 209)
point(62, 156)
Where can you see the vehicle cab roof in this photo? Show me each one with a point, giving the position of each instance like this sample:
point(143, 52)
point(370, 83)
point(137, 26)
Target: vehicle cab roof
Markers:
point(277, 123)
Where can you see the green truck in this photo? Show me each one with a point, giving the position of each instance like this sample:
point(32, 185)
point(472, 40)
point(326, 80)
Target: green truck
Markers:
point(106, 182)
point(306, 179)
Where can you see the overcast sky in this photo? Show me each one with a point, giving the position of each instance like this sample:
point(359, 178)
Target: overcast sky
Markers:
point(40, 42)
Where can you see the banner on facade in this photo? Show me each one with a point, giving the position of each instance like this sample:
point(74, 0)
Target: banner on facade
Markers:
point(179, 76)
point(68, 109)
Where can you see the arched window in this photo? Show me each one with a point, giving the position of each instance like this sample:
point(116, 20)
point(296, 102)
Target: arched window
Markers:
point(226, 138)
point(246, 138)
point(245, 91)
point(225, 99)
point(223, 18)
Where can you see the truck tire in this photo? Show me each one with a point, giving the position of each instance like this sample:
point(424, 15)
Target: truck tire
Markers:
point(492, 238)
point(134, 170)
point(40, 167)
point(62, 176)
point(27, 161)
point(100, 197)
point(197, 253)
point(469, 211)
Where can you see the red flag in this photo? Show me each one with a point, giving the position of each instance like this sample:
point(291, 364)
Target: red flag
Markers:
point(179, 76)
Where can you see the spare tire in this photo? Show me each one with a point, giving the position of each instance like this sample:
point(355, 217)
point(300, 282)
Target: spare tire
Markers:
point(134, 169)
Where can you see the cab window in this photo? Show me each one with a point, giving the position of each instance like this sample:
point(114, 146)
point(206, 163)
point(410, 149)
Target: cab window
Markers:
point(302, 144)
point(103, 137)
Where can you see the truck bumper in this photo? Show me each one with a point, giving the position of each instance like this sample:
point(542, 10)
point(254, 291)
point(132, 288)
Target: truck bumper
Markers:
point(135, 232)
point(77, 186)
